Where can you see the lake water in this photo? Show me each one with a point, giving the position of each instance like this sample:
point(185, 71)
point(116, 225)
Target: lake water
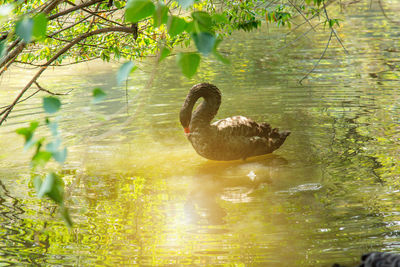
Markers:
point(140, 195)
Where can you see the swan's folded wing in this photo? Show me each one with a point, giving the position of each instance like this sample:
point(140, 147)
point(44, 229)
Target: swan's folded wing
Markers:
point(241, 126)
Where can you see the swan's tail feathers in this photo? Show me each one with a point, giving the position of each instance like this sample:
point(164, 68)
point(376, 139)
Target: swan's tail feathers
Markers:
point(285, 134)
point(278, 137)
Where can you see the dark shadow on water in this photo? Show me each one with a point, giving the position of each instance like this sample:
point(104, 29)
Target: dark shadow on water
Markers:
point(20, 238)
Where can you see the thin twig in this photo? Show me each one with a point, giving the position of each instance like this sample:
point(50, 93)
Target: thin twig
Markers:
point(337, 37)
point(340, 42)
point(35, 66)
point(386, 16)
point(70, 26)
point(94, 13)
point(301, 13)
point(299, 37)
point(323, 54)
point(34, 93)
point(50, 92)
point(74, 8)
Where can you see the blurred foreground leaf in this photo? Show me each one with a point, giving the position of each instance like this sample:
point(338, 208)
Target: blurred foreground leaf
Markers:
point(188, 62)
point(98, 95)
point(23, 28)
point(39, 26)
point(51, 104)
point(124, 71)
point(204, 42)
point(52, 187)
point(138, 9)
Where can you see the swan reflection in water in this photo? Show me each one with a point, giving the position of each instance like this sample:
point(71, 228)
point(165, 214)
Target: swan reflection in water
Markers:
point(228, 181)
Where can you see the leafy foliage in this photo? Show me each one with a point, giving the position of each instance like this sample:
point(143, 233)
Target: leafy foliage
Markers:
point(146, 27)
point(52, 186)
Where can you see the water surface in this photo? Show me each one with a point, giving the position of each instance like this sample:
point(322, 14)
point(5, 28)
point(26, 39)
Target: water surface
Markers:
point(140, 195)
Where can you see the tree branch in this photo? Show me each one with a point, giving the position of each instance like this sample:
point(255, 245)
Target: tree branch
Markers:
point(19, 45)
point(62, 51)
point(70, 26)
point(48, 91)
point(98, 16)
point(74, 8)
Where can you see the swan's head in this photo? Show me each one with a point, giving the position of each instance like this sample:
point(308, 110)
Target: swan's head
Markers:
point(185, 117)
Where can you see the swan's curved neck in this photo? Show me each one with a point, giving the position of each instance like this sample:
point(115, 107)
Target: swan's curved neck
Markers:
point(206, 111)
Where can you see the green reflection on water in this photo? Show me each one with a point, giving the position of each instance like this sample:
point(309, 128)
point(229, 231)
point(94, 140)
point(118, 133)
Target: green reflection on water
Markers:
point(141, 195)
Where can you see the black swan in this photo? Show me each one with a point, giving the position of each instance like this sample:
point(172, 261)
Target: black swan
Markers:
point(378, 259)
point(228, 139)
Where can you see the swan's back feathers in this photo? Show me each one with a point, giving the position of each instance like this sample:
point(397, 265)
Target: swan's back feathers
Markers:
point(380, 259)
point(242, 126)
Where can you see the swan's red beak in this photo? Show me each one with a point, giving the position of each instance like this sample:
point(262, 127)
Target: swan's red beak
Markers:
point(186, 130)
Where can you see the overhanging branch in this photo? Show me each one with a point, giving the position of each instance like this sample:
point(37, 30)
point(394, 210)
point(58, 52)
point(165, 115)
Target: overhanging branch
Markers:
point(54, 58)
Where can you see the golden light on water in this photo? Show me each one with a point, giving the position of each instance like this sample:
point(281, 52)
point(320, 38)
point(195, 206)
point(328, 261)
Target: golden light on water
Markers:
point(190, 199)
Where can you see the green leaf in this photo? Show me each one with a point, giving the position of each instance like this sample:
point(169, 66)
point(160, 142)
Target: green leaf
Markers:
point(118, 4)
point(37, 183)
point(23, 29)
point(65, 215)
point(189, 27)
point(53, 187)
point(60, 156)
point(332, 22)
point(98, 95)
point(53, 146)
point(31, 142)
point(204, 42)
point(39, 26)
point(217, 54)
point(124, 71)
point(164, 53)
point(188, 62)
point(160, 15)
point(51, 104)
point(176, 25)
point(40, 158)
point(27, 132)
point(53, 126)
point(185, 3)
point(136, 10)
point(203, 21)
